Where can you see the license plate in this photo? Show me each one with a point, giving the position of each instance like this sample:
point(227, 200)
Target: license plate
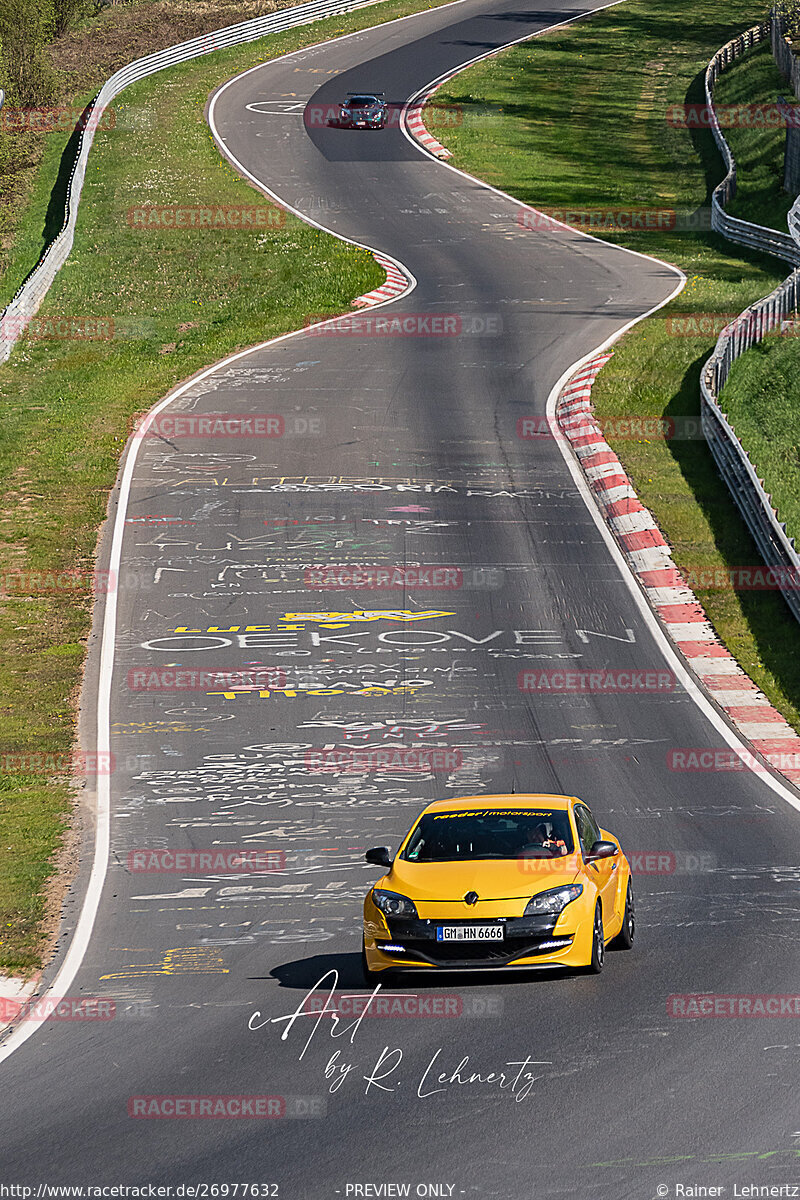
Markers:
point(469, 933)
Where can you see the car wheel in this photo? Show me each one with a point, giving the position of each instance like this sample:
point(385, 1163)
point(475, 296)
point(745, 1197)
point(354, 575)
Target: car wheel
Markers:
point(598, 945)
point(624, 939)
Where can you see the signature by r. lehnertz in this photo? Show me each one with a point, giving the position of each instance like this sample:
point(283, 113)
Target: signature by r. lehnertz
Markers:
point(516, 1078)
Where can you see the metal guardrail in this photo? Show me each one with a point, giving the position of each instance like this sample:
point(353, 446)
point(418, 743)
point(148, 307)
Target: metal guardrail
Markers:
point(733, 462)
point(757, 237)
point(30, 295)
point(734, 465)
point(782, 50)
point(750, 327)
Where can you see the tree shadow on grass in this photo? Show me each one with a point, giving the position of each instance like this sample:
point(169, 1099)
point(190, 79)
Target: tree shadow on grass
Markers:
point(57, 204)
point(703, 142)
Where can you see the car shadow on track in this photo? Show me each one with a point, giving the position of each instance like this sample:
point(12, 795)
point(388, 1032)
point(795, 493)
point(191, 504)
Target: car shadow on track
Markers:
point(306, 973)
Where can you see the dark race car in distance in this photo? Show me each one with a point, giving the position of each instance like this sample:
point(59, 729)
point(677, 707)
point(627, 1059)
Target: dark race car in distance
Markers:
point(363, 110)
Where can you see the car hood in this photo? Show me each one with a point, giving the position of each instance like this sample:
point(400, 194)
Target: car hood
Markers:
point(492, 879)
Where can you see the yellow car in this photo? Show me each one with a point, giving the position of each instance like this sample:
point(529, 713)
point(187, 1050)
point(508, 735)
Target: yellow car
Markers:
point(499, 881)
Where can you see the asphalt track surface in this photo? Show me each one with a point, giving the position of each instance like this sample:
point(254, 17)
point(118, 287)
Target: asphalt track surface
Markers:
point(419, 462)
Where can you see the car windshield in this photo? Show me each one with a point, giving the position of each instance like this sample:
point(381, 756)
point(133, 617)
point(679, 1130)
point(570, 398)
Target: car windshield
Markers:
point(362, 102)
point(490, 833)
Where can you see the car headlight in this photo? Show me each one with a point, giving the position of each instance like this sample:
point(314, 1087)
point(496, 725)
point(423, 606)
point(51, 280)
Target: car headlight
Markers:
point(344, 114)
point(393, 904)
point(554, 901)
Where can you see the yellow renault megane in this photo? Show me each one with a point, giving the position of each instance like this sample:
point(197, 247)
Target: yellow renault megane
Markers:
point(499, 881)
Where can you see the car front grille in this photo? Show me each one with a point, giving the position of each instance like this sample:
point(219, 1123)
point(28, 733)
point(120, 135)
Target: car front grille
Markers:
point(524, 937)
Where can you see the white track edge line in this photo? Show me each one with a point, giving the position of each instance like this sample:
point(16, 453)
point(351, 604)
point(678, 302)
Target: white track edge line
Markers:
point(85, 923)
point(692, 686)
point(91, 903)
point(428, 88)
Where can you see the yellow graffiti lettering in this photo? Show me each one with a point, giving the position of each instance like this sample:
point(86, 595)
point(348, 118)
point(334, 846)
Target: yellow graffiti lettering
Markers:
point(184, 960)
point(363, 615)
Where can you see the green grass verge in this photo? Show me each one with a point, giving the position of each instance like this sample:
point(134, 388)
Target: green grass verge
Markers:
point(77, 63)
point(577, 119)
point(762, 400)
point(179, 301)
point(43, 213)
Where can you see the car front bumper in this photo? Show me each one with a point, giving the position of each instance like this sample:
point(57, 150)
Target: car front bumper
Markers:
point(527, 942)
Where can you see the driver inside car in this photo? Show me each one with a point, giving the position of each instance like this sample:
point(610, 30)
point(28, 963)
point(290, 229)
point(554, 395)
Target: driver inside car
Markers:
point(537, 838)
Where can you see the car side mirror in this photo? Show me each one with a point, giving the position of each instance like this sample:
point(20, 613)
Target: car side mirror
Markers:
point(602, 850)
point(380, 856)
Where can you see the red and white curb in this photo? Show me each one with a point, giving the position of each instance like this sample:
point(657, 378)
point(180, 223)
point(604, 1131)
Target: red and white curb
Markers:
point(416, 127)
point(679, 610)
point(396, 283)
